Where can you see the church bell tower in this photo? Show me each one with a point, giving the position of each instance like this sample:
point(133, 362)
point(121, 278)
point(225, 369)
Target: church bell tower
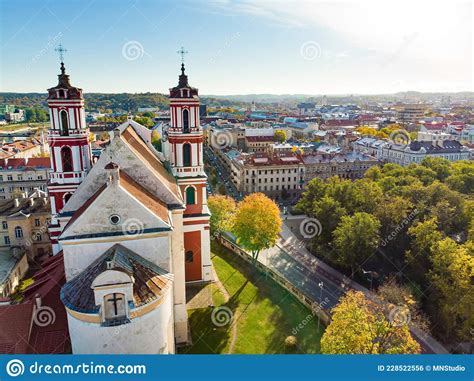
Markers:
point(68, 139)
point(185, 139)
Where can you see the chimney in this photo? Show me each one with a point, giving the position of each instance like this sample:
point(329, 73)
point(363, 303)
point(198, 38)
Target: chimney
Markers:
point(32, 201)
point(16, 202)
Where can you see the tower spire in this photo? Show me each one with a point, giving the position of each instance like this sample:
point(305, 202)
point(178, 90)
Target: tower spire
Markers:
point(61, 52)
point(183, 78)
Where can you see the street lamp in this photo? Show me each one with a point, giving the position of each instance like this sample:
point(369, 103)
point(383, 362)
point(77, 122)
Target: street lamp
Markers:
point(371, 277)
point(321, 285)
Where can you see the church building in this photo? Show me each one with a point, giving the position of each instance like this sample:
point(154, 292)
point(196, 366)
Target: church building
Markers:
point(132, 228)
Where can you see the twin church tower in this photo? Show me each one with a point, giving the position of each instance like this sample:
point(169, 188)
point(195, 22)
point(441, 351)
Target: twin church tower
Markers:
point(131, 228)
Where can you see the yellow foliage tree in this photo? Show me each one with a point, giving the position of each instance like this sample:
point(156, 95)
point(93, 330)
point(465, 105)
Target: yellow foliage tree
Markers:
point(280, 135)
point(223, 210)
point(359, 326)
point(257, 223)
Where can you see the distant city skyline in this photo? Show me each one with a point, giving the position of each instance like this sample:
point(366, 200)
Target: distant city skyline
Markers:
point(239, 47)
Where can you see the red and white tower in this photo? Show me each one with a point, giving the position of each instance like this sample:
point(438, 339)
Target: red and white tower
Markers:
point(185, 139)
point(68, 139)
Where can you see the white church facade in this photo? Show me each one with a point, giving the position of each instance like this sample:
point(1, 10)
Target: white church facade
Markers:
point(133, 227)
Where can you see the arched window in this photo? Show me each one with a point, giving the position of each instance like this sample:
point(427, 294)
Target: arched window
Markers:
point(64, 123)
point(67, 196)
point(185, 120)
point(187, 155)
point(190, 196)
point(189, 257)
point(38, 237)
point(18, 232)
point(66, 158)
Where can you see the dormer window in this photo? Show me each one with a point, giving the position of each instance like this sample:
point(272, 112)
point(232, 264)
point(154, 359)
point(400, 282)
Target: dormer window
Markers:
point(115, 310)
point(113, 291)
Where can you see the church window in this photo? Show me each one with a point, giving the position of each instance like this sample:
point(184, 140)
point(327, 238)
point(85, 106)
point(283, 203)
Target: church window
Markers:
point(114, 307)
point(190, 196)
point(18, 232)
point(64, 123)
point(189, 257)
point(114, 219)
point(67, 197)
point(187, 155)
point(185, 121)
point(66, 157)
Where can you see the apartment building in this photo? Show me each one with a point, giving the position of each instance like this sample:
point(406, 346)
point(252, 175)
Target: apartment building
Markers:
point(279, 176)
point(22, 177)
point(351, 165)
point(24, 225)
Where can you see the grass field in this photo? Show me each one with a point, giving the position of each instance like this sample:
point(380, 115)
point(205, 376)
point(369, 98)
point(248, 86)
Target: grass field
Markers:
point(264, 313)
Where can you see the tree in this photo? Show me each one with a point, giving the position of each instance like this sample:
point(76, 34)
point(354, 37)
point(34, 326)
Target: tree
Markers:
point(451, 275)
point(417, 258)
point(329, 212)
point(392, 213)
point(360, 327)
point(280, 136)
point(223, 210)
point(395, 294)
point(144, 121)
point(355, 239)
point(257, 223)
point(156, 140)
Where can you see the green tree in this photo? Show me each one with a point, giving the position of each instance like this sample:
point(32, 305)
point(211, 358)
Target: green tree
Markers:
point(451, 275)
point(360, 327)
point(257, 223)
point(223, 210)
point(355, 239)
point(417, 258)
point(144, 121)
point(328, 211)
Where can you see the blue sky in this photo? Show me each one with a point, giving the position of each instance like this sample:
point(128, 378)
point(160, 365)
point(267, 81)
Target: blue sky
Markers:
point(239, 47)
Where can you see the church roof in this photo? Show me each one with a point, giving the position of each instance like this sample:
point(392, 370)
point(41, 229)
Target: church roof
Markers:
point(137, 160)
point(134, 190)
point(150, 280)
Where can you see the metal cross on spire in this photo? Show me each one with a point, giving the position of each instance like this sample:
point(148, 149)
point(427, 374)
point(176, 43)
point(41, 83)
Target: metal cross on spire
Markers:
point(61, 52)
point(182, 52)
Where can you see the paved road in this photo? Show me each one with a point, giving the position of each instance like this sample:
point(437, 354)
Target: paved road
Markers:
point(295, 263)
point(222, 173)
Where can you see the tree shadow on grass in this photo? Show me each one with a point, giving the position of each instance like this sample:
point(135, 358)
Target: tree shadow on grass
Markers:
point(206, 337)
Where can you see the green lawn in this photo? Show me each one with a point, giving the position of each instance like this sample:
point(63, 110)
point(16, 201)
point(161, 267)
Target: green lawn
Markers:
point(265, 314)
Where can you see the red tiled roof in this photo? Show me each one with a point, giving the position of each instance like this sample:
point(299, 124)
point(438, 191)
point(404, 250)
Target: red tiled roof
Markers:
point(15, 323)
point(35, 162)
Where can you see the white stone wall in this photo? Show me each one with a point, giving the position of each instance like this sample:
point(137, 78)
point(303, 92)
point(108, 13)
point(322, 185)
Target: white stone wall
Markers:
point(147, 334)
